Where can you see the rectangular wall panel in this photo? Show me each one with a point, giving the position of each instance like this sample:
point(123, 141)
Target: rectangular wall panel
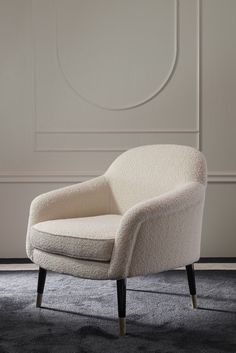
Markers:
point(14, 215)
point(218, 237)
point(91, 76)
point(109, 141)
point(218, 228)
point(219, 87)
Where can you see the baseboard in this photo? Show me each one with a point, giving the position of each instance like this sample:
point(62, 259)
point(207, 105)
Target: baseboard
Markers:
point(217, 260)
point(6, 261)
point(206, 260)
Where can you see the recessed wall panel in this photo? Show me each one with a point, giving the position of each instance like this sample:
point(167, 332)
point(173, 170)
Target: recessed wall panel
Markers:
point(219, 86)
point(116, 72)
point(109, 141)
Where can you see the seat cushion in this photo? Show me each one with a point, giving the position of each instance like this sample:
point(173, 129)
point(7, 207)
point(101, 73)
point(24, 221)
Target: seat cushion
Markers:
point(88, 238)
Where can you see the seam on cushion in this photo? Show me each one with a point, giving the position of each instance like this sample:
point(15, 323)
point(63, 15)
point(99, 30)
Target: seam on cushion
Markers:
point(71, 236)
point(109, 194)
point(78, 258)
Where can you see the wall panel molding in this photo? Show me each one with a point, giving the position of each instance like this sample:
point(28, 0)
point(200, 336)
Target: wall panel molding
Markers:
point(75, 176)
point(59, 147)
point(115, 141)
point(221, 177)
point(179, 6)
point(141, 102)
point(47, 177)
point(218, 85)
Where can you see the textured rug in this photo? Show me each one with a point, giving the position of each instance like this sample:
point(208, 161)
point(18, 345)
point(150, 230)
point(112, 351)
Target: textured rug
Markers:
point(79, 316)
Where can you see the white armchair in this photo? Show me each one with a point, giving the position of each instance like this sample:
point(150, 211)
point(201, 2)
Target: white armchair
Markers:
point(144, 215)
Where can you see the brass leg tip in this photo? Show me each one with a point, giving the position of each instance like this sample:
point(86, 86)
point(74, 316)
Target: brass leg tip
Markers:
point(122, 324)
point(39, 300)
point(194, 301)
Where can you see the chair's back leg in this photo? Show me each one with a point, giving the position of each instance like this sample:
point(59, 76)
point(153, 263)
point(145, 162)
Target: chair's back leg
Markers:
point(121, 298)
point(41, 282)
point(192, 284)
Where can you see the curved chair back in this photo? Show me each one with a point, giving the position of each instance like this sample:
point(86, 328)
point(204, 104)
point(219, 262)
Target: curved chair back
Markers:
point(149, 171)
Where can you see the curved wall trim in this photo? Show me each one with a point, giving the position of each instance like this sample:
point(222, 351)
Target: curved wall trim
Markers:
point(141, 102)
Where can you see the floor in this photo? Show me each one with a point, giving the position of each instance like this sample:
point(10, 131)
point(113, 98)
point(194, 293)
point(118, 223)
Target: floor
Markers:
point(80, 316)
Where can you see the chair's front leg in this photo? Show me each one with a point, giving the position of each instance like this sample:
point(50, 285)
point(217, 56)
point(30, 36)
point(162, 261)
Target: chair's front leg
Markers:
point(121, 298)
point(41, 283)
point(192, 284)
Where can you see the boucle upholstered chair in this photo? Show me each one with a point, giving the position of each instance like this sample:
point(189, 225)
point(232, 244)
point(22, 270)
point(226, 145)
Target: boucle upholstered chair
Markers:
point(144, 215)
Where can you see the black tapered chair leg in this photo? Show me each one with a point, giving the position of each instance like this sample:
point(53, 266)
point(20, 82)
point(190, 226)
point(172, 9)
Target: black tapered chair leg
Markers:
point(192, 284)
point(41, 282)
point(121, 298)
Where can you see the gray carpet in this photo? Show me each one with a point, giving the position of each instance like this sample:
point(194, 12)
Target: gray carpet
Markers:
point(79, 316)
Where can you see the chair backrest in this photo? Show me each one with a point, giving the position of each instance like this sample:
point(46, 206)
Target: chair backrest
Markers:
point(148, 171)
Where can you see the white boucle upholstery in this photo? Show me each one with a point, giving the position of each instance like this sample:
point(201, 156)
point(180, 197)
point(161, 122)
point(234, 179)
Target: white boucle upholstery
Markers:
point(145, 172)
point(157, 192)
point(71, 266)
point(90, 198)
point(89, 238)
point(160, 233)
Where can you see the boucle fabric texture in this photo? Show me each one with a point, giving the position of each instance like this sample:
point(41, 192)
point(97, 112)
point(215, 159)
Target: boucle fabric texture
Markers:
point(90, 198)
point(71, 266)
point(160, 234)
point(90, 238)
point(158, 194)
point(148, 171)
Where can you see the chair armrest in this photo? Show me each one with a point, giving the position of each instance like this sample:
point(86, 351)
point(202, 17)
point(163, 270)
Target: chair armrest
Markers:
point(159, 229)
point(89, 198)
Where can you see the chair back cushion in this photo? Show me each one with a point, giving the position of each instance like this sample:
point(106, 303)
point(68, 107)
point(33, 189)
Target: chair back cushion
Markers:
point(148, 171)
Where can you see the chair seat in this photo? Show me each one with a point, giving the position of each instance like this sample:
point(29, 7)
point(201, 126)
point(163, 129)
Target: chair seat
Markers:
point(88, 238)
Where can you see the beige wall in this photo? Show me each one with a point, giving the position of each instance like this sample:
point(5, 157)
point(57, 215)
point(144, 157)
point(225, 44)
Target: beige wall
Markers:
point(66, 112)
